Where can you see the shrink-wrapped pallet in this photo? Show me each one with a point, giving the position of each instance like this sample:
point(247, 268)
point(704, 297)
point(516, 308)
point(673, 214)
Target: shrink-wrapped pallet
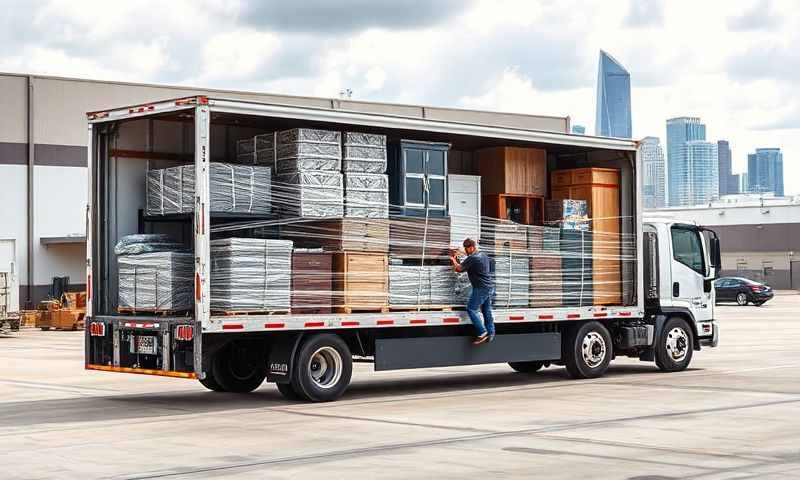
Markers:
point(426, 285)
point(233, 189)
point(295, 150)
point(250, 275)
point(154, 275)
point(364, 152)
point(366, 195)
point(512, 280)
point(310, 194)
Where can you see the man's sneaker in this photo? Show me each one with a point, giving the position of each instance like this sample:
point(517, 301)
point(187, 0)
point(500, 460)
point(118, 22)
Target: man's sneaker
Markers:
point(491, 338)
point(481, 339)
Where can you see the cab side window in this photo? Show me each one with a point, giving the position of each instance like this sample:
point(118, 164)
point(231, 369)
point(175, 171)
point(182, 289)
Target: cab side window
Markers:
point(687, 249)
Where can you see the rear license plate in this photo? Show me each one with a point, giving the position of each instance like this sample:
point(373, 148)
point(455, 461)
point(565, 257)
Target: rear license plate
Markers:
point(143, 344)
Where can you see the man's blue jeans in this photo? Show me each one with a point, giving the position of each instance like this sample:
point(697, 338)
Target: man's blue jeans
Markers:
point(481, 300)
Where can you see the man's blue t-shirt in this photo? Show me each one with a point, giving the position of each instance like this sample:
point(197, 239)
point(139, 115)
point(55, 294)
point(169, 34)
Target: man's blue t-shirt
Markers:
point(479, 270)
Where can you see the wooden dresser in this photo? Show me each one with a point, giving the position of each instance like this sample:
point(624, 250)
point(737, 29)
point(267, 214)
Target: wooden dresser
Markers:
point(599, 187)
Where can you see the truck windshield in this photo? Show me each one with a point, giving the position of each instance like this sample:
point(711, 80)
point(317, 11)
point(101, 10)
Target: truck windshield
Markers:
point(688, 249)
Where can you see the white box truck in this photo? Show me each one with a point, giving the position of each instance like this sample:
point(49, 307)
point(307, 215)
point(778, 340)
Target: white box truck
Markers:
point(667, 313)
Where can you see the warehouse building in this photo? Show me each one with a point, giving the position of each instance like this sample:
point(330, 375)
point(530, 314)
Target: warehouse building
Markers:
point(759, 236)
point(43, 159)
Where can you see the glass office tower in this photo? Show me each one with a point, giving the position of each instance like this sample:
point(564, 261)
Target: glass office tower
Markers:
point(679, 131)
point(613, 99)
point(653, 188)
point(765, 171)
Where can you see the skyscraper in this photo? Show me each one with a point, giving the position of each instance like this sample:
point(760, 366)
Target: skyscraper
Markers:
point(653, 167)
point(728, 183)
point(613, 99)
point(765, 171)
point(701, 183)
point(679, 172)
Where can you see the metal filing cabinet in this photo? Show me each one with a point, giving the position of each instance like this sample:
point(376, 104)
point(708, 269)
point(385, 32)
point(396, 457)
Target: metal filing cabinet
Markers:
point(464, 197)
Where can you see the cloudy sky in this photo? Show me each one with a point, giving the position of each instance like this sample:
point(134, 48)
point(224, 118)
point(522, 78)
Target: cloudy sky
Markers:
point(732, 63)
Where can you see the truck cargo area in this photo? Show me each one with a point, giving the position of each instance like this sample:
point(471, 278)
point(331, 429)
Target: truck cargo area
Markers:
point(215, 242)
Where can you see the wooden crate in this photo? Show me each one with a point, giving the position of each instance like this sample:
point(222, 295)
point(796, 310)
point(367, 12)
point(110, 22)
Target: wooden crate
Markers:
point(406, 237)
point(64, 319)
point(599, 187)
point(512, 170)
point(360, 282)
point(312, 282)
point(342, 234)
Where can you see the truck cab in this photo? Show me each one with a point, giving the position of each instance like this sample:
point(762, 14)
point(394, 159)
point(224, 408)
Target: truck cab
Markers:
point(681, 261)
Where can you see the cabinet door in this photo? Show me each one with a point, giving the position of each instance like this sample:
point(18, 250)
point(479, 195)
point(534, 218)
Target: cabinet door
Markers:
point(414, 177)
point(436, 173)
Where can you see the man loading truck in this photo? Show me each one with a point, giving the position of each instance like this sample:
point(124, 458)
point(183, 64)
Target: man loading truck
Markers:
point(478, 268)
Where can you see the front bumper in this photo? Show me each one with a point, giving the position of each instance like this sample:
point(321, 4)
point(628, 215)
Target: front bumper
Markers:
point(708, 340)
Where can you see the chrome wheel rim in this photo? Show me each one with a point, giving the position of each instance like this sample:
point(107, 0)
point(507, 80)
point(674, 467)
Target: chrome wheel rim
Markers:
point(325, 367)
point(741, 299)
point(593, 349)
point(677, 344)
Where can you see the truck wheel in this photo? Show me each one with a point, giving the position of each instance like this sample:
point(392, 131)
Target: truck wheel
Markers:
point(675, 346)
point(211, 383)
point(741, 299)
point(239, 368)
point(526, 367)
point(288, 392)
point(322, 368)
point(587, 350)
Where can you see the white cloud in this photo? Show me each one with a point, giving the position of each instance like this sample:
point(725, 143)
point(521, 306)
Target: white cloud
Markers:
point(736, 68)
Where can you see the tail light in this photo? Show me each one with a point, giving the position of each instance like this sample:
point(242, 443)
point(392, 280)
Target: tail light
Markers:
point(756, 288)
point(97, 329)
point(184, 333)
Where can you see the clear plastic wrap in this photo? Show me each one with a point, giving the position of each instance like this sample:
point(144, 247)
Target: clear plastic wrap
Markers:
point(364, 153)
point(250, 274)
point(156, 281)
point(295, 150)
point(427, 285)
point(366, 195)
point(233, 189)
point(310, 194)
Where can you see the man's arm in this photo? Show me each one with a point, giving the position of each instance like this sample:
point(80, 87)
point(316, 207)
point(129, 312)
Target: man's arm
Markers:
point(454, 261)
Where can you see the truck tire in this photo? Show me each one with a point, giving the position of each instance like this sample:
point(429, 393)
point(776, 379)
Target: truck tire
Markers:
point(211, 383)
point(239, 368)
point(526, 367)
point(587, 350)
point(675, 346)
point(288, 392)
point(322, 368)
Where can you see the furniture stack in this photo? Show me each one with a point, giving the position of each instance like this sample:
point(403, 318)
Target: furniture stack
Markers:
point(512, 280)
point(232, 188)
point(599, 187)
point(155, 275)
point(421, 238)
point(514, 183)
point(250, 275)
point(341, 234)
point(578, 280)
point(366, 185)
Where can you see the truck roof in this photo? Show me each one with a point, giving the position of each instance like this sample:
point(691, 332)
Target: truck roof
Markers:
point(341, 112)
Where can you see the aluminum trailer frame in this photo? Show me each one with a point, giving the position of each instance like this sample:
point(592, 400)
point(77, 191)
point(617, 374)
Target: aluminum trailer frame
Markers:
point(206, 323)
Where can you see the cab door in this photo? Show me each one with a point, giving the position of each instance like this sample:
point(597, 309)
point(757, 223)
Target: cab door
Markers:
point(691, 283)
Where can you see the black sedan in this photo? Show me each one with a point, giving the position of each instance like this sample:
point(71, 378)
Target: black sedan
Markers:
point(742, 291)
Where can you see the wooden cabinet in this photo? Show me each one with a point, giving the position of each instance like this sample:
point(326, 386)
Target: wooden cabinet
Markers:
point(512, 171)
point(360, 282)
point(599, 187)
point(311, 282)
point(525, 209)
point(418, 178)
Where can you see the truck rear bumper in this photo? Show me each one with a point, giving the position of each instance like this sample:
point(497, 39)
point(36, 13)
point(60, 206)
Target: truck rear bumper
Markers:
point(160, 346)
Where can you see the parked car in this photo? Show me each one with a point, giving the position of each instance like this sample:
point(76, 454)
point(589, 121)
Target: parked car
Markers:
point(742, 291)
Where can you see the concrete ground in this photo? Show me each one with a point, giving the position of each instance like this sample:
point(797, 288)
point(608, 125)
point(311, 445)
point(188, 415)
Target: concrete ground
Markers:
point(734, 414)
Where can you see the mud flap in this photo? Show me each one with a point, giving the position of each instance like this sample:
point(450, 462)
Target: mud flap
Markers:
point(281, 358)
